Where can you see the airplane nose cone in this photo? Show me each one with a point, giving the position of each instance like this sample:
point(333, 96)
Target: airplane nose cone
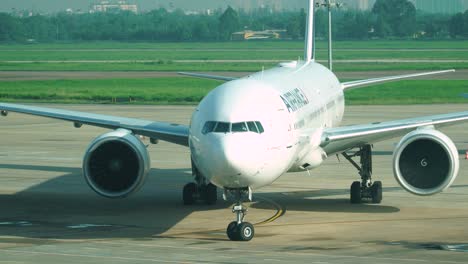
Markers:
point(236, 161)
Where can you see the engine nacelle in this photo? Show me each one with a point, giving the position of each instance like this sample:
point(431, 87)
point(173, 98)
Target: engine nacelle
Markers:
point(116, 164)
point(425, 162)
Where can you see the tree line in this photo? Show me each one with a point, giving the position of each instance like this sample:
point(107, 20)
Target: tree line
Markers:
point(387, 19)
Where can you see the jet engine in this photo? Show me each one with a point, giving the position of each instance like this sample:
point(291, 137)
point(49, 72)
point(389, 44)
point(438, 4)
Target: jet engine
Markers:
point(425, 162)
point(116, 164)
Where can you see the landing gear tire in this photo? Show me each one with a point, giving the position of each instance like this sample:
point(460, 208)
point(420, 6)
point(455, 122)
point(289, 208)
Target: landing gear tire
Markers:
point(376, 192)
point(189, 193)
point(211, 194)
point(356, 192)
point(232, 232)
point(246, 231)
point(240, 232)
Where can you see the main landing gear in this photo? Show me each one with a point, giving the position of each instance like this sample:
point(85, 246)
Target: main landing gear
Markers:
point(365, 190)
point(200, 190)
point(239, 230)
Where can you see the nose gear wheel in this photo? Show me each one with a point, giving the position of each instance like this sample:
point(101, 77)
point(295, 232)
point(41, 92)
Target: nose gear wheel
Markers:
point(239, 230)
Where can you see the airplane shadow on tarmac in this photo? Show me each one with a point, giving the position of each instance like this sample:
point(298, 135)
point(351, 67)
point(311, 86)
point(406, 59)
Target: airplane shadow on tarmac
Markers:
point(66, 208)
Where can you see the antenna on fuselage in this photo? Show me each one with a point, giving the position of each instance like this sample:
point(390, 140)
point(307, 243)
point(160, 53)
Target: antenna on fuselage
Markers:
point(309, 52)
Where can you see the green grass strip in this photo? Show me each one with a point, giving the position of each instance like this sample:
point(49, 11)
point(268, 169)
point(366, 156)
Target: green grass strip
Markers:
point(147, 91)
point(213, 67)
point(410, 92)
point(191, 91)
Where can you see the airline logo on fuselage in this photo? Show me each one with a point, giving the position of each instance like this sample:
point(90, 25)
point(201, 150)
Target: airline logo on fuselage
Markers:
point(294, 100)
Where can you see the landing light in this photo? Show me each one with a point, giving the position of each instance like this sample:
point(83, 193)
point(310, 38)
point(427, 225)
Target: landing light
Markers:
point(4, 113)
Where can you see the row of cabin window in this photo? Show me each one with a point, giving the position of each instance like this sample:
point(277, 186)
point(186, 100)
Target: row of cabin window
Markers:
point(224, 127)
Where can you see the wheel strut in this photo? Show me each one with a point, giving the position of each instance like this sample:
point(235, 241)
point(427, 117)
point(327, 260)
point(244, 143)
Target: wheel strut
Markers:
point(200, 190)
point(239, 230)
point(366, 189)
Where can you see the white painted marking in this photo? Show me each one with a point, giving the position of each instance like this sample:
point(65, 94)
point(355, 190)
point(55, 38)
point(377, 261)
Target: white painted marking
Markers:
point(86, 226)
point(19, 223)
point(90, 248)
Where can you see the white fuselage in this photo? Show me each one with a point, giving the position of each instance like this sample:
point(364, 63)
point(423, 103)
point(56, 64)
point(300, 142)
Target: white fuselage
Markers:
point(248, 132)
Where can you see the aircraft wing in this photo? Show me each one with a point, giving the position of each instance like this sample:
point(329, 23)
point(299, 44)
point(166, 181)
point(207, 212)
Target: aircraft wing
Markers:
point(208, 76)
point(363, 83)
point(173, 133)
point(340, 139)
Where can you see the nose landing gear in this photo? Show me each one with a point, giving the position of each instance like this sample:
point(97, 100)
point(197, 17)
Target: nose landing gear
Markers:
point(239, 230)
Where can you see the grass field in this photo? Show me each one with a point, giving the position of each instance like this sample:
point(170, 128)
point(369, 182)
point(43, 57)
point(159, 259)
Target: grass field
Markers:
point(113, 56)
point(213, 67)
point(298, 45)
point(167, 55)
point(147, 91)
point(411, 92)
point(190, 91)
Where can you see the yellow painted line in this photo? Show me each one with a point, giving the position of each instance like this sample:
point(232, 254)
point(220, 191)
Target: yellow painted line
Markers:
point(280, 211)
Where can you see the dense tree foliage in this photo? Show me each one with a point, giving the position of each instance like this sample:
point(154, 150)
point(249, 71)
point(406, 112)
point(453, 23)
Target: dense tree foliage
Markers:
point(458, 25)
point(228, 23)
point(395, 18)
point(388, 19)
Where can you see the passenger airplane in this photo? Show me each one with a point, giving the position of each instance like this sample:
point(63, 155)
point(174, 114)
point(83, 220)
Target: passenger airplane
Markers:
point(249, 131)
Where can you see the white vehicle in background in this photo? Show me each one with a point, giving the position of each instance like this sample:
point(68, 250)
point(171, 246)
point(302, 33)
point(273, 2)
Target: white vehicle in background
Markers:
point(248, 132)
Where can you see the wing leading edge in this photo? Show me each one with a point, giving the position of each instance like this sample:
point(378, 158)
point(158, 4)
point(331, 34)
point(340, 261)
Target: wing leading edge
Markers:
point(363, 83)
point(173, 133)
point(208, 76)
point(340, 139)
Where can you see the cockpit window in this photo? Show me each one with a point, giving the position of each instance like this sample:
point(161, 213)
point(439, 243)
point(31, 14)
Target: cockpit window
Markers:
point(252, 126)
point(222, 127)
point(239, 127)
point(208, 127)
point(260, 127)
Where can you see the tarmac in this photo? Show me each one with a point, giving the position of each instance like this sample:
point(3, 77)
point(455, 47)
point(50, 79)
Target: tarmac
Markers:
point(49, 215)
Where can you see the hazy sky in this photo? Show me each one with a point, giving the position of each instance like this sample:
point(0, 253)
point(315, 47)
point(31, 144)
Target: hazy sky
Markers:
point(50, 6)
point(60, 5)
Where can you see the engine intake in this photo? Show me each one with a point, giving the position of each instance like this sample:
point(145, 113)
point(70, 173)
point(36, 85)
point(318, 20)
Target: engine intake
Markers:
point(116, 164)
point(425, 162)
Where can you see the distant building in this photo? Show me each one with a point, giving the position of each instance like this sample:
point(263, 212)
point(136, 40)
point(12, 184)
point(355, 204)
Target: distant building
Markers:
point(439, 6)
point(430, 6)
point(266, 34)
point(113, 7)
point(249, 5)
point(357, 4)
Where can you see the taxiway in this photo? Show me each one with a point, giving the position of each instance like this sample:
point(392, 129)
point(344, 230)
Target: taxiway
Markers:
point(49, 215)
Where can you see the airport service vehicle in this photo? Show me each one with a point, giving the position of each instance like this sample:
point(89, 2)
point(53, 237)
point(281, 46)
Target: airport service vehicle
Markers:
point(249, 131)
